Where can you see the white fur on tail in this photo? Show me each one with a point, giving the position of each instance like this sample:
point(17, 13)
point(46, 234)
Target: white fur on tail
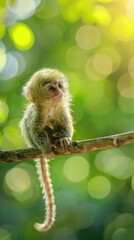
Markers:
point(47, 190)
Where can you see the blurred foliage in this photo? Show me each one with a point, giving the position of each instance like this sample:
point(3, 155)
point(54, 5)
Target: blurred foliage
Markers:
point(92, 43)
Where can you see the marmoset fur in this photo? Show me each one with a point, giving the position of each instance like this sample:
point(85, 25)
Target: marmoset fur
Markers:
point(47, 122)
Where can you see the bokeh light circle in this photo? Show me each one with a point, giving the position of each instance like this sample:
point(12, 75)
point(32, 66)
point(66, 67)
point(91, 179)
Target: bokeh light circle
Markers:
point(76, 168)
point(4, 111)
point(131, 66)
point(102, 63)
point(102, 15)
point(99, 187)
point(120, 233)
point(115, 163)
point(22, 9)
point(11, 67)
point(2, 30)
point(3, 56)
point(125, 86)
point(18, 180)
point(22, 36)
point(123, 28)
point(4, 234)
point(88, 37)
point(130, 8)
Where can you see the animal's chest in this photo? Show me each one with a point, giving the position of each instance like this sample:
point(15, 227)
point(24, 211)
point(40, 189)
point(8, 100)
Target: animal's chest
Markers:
point(51, 119)
point(52, 125)
point(51, 113)
point(54, 128)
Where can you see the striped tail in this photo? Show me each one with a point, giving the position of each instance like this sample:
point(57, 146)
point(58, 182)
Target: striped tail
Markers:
point(47, 190)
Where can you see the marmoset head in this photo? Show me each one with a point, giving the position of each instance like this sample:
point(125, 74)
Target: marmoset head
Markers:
point(47, 85)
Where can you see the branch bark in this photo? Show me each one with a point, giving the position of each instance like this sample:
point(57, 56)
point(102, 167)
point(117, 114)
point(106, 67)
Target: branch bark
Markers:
point(89, 145)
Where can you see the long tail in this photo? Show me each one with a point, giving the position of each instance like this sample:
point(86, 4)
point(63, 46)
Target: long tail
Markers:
point(47, 190)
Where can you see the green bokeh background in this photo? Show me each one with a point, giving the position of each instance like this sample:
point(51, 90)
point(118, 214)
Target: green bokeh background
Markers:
point(92, 42)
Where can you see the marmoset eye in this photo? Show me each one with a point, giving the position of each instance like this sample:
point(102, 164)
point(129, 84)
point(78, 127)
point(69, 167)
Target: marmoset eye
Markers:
point(51, 89)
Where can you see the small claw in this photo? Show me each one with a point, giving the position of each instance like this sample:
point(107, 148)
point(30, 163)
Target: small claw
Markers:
point(64, 142)
point(61, 143)
point(53, 146)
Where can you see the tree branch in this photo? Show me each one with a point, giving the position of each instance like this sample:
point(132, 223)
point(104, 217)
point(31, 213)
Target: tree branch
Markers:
point(88, 145)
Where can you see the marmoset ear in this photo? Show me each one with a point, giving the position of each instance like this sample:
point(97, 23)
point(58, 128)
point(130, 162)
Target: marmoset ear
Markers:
point(27, 93)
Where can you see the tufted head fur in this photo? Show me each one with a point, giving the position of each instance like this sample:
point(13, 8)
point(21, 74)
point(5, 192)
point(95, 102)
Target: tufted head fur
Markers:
point(45, 85)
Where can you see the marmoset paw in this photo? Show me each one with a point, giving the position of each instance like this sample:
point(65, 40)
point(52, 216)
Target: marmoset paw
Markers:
point(64, 142)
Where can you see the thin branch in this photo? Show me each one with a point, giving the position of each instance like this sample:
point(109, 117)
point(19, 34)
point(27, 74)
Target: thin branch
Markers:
point(88, 145)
